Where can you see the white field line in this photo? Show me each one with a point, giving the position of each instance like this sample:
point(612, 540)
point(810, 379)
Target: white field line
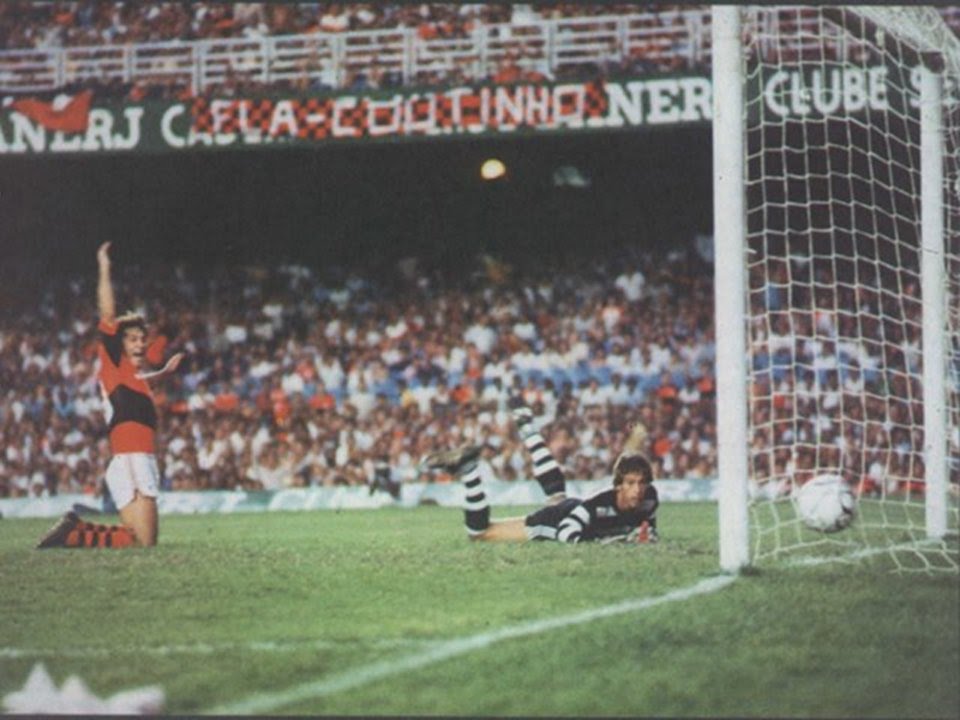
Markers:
point(13, 653)
point(262, 703)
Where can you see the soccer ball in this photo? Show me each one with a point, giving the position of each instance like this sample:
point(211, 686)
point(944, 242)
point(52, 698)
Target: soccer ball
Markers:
point(826, 504)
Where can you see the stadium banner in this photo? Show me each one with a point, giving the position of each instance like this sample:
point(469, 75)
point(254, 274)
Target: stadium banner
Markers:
point(500, 493)
point(83, 124)
point(830, 90)
point(67, 125)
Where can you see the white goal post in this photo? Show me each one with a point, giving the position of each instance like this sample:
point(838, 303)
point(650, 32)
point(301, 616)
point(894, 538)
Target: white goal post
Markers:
point(836, 136)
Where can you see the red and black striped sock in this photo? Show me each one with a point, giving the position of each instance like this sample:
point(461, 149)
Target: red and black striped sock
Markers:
point(93, 535)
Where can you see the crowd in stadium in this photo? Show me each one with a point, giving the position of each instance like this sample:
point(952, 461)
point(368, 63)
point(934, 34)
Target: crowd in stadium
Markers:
point(293, 379)
point(92, 22)
point(25, 24)
point(88, 23)
point(835, 385)
point(674, 38)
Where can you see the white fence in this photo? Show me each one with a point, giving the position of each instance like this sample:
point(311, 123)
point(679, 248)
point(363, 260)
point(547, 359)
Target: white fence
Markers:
point(677, 39)
point(334, 60)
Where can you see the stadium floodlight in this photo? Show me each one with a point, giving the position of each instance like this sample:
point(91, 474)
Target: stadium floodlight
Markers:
point(837, 228)
point(492, 169)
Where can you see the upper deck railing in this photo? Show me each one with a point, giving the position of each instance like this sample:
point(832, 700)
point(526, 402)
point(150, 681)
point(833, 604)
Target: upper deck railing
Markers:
point(650, 40)
point(395, 56)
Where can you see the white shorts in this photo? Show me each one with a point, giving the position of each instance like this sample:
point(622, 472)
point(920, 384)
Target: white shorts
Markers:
point(131, 473)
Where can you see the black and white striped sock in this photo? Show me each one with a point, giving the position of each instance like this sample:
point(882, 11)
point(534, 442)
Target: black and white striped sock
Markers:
point(476, 508)
point(546, 471)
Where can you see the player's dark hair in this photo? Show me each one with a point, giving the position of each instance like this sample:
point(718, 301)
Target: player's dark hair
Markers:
point(629, 463)
point(131, 320)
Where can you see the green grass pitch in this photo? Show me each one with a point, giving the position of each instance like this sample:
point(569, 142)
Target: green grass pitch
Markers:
point(229, 609)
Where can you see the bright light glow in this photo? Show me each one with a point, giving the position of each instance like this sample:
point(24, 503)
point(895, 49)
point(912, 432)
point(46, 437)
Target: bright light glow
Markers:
point(492, 169)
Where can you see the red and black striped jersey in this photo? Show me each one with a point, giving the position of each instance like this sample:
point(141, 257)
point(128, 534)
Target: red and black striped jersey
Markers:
point(131, 414)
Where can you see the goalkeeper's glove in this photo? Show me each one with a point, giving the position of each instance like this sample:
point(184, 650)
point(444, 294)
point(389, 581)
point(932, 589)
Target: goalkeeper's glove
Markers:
point(643, 534)
point(646, 533)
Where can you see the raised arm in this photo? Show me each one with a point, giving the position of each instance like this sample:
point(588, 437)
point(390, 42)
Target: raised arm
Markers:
point(105, 302)
point(636, 440)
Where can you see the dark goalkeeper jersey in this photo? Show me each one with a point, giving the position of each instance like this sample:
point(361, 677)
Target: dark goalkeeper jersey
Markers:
point(595, 518)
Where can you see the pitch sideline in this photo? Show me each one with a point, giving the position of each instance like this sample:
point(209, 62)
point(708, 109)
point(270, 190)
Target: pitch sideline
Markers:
point(264, 703)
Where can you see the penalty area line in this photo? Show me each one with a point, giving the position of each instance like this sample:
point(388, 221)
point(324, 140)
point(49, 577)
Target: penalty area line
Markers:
point(264, 703)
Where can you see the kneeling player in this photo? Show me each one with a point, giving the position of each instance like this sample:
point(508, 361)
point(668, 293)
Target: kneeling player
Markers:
point(626, 511)
point(132, 475)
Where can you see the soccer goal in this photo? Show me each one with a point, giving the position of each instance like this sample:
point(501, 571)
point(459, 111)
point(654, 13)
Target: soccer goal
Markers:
point(837, 229)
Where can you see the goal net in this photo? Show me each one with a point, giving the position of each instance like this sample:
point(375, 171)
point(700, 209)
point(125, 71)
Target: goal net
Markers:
point(835, 283)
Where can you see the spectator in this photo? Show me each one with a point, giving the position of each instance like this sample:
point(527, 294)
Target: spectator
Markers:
point(347, 378)
point(25, 25)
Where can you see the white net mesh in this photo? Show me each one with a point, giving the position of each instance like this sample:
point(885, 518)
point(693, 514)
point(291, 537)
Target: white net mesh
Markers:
point(833, 234)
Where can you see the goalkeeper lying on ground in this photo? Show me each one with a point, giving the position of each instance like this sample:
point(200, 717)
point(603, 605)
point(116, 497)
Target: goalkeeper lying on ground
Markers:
point(627, 511)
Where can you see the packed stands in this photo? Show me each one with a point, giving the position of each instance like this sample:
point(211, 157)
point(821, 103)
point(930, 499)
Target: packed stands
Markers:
point(297, 379)
point(185, 49)
point(170, 49)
